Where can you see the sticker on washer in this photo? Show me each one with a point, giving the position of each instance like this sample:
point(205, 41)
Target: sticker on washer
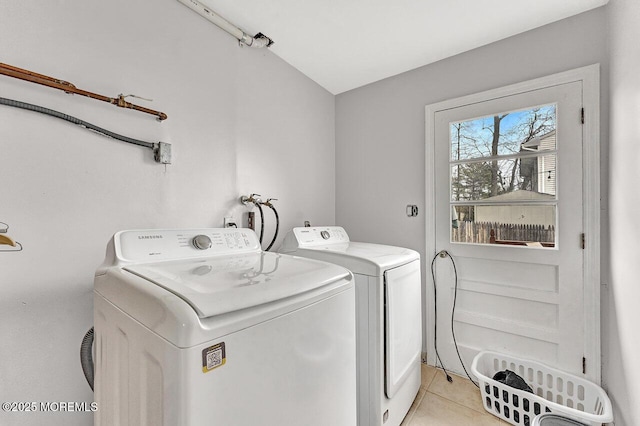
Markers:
point(213, 357)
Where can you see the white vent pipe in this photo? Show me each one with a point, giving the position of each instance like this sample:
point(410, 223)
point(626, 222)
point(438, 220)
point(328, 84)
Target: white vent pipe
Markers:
point(244, 38)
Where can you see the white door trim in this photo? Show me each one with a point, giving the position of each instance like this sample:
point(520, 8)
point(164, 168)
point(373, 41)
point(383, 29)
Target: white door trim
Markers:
point(590, 77)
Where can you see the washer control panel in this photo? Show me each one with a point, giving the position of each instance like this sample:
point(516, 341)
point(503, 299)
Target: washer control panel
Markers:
point(315, 236)
point(164, 244)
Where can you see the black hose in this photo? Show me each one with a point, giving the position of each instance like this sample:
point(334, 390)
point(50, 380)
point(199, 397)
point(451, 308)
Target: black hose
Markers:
point(261, 222)
point(74, 120)
point(275, 235)
point(444, 253)
point(435, 309)
point(86, 357)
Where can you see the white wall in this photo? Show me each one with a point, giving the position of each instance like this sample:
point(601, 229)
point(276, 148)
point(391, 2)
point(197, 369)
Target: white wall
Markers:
point(240, 120)
point(620, 330)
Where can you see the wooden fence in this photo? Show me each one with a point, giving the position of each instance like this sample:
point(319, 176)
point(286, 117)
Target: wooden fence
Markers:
point(503, 233)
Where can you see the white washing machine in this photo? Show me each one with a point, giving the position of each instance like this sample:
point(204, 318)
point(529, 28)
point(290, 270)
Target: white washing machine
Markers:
point(200, 327)
point(389, 317)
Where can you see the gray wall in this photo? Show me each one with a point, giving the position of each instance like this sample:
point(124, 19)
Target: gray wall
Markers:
point(380, 137)
point(240, 120)
point(380, 133)
point(620, 328)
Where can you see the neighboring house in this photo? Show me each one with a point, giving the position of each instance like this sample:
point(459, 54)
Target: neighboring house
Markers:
point(520, 214)
point(539, 173)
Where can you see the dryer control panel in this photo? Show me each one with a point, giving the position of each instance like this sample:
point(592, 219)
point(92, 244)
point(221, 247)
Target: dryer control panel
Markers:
point(314, 236)
point(163, 244)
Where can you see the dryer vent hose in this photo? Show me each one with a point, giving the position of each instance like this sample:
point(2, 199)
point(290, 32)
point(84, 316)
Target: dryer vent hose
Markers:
point(86, 357)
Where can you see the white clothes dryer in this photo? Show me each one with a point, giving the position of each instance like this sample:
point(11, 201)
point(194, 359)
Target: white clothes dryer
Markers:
point(199, 327)
point(389, 317)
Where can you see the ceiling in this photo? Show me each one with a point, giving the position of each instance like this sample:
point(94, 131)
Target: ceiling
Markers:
point(344, 44)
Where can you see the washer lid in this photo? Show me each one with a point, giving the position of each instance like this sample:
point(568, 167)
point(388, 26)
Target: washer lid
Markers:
point(361, 258)
point(218, 285)
point(332, 244)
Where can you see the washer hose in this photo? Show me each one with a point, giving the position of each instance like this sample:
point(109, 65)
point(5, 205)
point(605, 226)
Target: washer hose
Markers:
point(275, 235)
point(86, 357)
point(257, 204)
point(74, 120)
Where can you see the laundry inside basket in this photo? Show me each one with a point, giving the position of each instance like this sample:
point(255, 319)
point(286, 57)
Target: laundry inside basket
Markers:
point(510, 378)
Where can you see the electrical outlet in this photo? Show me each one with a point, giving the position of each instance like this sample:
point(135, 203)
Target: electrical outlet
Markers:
point(229, 222)
point(251, 216)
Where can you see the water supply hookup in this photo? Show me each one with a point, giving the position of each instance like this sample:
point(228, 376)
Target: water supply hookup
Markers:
point(255, 200)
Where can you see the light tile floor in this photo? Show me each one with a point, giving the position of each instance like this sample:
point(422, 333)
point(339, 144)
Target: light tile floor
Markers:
point(440, 403)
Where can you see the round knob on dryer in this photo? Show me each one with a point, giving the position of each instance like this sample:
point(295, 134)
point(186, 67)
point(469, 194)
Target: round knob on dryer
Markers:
point(201, 242)
point(325, 235)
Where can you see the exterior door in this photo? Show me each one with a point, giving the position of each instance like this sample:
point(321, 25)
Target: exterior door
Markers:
point(508, 209)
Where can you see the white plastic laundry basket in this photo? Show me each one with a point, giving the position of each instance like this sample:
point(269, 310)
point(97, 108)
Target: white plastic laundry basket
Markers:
point(554, 391)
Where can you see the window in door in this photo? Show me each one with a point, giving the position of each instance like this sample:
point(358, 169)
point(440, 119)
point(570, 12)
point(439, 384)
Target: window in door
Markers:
point(503, 178)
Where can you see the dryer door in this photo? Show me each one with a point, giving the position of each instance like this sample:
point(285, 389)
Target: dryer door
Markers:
point(403, 323)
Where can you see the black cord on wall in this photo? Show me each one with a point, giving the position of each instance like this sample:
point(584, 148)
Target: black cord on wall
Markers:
point(435, 309)
point(444, 253)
